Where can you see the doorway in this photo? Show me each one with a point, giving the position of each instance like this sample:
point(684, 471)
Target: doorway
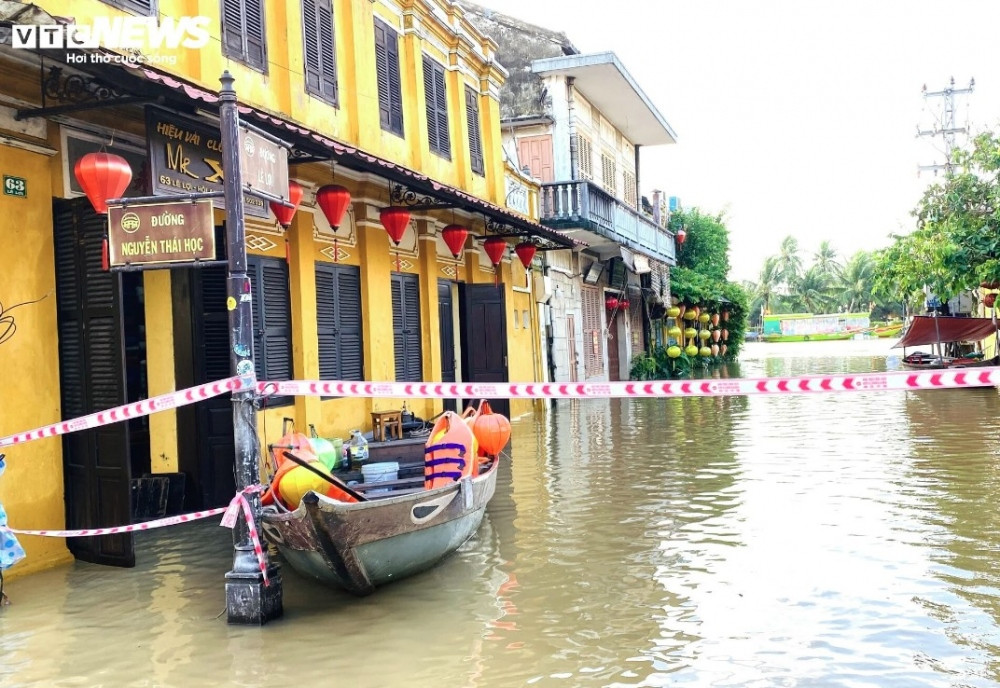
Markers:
point(484, 338)
point(446, 320)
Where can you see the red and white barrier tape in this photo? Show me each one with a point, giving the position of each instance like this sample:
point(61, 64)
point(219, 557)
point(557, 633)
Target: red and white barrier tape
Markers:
point(860, 382)
point(134, 410)
point(228, 520)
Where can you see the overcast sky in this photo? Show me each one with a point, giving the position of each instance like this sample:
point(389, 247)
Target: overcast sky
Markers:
point(793, 117)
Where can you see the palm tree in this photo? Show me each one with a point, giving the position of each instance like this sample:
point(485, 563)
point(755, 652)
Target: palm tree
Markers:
point(768, 285)
point(789, 264)
point(814, 291)
point(825, 260)
point(856, 282)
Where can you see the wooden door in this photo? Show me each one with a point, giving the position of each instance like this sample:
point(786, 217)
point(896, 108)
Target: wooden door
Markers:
point(92, 377)
point(615, 327)
point(484, 339)
point(536, 153)
point(571, 346)
point(446, 327)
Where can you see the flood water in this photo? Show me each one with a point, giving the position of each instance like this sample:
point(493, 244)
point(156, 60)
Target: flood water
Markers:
point(840, 540)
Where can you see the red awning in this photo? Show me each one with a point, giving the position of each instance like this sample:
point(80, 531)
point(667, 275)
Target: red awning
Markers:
point(925, 329)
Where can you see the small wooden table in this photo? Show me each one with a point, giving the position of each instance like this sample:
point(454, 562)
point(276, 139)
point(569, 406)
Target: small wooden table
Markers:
point(387, 420)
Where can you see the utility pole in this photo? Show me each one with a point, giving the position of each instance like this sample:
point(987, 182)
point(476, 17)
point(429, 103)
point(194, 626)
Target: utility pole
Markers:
point(945, 128)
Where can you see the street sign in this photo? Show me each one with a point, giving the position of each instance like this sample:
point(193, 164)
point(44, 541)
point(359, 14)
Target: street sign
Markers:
point(15, 186)
point(172, 232)
point(263, 164)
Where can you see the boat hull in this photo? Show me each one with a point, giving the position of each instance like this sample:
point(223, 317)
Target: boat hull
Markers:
point(361, 546)
point(939, 364)
point(825, 337)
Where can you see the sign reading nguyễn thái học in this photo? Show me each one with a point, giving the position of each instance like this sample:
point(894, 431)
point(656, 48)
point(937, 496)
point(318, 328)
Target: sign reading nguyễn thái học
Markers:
point(173, 232)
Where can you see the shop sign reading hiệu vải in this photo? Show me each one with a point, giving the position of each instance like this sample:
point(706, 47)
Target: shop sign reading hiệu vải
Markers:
point(185, 156)
point(172, 232)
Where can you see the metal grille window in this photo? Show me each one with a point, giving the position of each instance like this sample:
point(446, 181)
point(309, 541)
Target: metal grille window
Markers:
point(390, 96)
point(243, 36)
point(406, 327)
point(609, 174)
point(585, 158)
point(320, 49)
point(475, 133)
point(593, 340)
point(338, 321)
point(629, 192)
point(272, 317)
point(436, 99)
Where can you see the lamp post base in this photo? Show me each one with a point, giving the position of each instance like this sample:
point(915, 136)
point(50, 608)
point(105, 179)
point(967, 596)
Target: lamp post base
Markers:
point(251, 603)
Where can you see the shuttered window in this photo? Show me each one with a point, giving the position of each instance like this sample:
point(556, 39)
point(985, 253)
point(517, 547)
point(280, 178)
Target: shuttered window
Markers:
point(146, 8)
point(436, 101)
point(320, 49)
point(338, 319)
point(630, 192)
point(609, 174)
point(593, 341)
point(406, 327)
point(243, 36)
point(272, 318)
point(475, 132)
point(585, 158)
point(390, 96)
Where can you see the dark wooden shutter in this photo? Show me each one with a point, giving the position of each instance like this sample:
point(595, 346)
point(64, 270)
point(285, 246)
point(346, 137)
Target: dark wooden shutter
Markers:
point(406, 327)
point(475, 133)
point(146, 8)
point(96, 462)
point(272, 319)
point(243, 35)
point(338, 319)
point(436, 101)
point(320, 49)
point(390, 96)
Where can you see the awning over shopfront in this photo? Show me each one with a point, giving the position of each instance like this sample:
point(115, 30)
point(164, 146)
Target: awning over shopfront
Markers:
point(318, 147)
point(926, 329)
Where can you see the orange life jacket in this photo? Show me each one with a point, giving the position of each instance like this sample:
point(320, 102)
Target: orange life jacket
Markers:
point(449, 454)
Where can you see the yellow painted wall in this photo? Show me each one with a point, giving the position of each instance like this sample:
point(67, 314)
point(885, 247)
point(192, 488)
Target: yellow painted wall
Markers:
point(32, 487)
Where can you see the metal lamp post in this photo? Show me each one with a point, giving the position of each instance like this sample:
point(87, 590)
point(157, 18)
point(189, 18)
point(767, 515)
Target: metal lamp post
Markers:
point(249, 600)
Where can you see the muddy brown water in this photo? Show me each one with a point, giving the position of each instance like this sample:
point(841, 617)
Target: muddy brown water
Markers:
point(818, 540)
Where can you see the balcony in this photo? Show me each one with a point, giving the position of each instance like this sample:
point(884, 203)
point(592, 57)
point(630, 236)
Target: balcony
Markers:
point(587, 212)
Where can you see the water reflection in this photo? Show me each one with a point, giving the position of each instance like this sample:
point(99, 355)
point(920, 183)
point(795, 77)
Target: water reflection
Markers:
point(842, 540)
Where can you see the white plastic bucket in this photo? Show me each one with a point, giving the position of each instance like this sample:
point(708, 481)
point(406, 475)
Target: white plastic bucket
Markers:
point(380, 473)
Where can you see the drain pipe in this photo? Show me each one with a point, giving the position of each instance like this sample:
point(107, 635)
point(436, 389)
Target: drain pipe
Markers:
point(574, 153)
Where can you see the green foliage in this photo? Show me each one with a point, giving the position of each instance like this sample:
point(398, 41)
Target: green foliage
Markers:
point(956, 244)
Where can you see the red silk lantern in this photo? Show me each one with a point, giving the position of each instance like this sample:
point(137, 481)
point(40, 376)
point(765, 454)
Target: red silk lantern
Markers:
point(102, 176)
point(611, 302)
point(283, 213)
point(494, 247)
point(455, 236)
point(681, 235)
point(623, 303)
point(333, 200)
point(492, 430)
point(526, 252)
point(395, 220)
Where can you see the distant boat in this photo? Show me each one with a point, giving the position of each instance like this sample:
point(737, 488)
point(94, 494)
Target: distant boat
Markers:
point(807, 327)
point(946, 335)
point(884, 331)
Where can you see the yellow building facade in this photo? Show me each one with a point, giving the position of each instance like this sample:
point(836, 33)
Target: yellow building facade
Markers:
point(396, 101)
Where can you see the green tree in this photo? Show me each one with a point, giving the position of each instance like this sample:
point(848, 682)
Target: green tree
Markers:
point(789, 262)
point(956, 243)
point(856, 282)
point(826, 262)
point(813, 292)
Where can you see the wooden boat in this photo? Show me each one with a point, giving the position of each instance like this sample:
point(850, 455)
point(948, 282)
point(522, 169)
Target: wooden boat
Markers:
point(950, 338)
point(886, 331)
point(362, 545)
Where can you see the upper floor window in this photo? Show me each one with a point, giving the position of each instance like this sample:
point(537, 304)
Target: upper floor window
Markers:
point(145, 8)
point(584, 158)
point(609, 174)
point(630, 192)
point(475, 133)
point(390, 96)
point(436, 99)
point(320, 49)
point(243, 32)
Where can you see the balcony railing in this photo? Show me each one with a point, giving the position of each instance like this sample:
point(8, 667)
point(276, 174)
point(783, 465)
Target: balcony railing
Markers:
point(583, 204)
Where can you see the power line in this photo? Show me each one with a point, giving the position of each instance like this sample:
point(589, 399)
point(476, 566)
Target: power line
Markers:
point(945, 128)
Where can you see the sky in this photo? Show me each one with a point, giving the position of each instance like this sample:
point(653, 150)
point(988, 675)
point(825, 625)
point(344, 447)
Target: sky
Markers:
point(794, 117)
